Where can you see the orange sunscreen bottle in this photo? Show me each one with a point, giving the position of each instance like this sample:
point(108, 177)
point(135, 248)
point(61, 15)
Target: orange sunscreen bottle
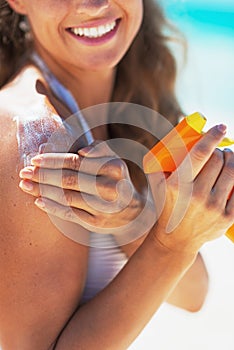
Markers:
point(168, 153)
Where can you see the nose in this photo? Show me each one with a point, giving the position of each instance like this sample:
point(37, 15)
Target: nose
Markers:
point(91, 7)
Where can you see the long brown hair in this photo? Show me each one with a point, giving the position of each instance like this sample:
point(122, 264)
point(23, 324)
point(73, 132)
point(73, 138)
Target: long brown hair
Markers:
point(14, 42)
point(147, 73)
point(147, 76)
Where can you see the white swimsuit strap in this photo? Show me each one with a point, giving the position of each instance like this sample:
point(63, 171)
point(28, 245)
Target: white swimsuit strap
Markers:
point(64, 95)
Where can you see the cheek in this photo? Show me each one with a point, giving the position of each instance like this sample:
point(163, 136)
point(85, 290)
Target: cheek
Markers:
point(135, 14)
point(135, 19)
point(47, 9)
point(46, 20)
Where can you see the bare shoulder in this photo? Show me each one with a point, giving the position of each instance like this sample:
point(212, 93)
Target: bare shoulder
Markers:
point(20, 98)
point(42, 271)
point(22, 91)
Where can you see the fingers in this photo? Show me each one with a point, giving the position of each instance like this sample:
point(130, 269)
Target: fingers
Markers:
point(206, 179)
point(158, 187)
point(230, 207)
point(97, 176)
point(87, 202)
point(64, 197)
point(96, 223)
point(93, 166)
point(225, 182)
point(69, 198)
point(200, 153)
point(66, 179)
point(66, 213)
point(96, 150)
point(57, 161)
point(100, 186)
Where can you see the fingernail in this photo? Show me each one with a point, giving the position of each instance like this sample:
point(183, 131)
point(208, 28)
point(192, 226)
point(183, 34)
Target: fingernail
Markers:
point(85, 150)
point(221, 128)
point(26, 173)
point(39, 202)
point(36, 160)
point(47, 148)
point(227, 150)
point(26, 186)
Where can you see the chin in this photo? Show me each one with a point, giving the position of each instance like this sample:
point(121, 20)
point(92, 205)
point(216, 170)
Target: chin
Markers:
point(100, 63)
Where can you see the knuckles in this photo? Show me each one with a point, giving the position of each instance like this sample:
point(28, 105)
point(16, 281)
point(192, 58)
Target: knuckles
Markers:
point(217, 158)
point(73, 161)
point(115, 168)
point(69, 215)
point(201, 149)
point(69, 179)
point(41, 175)
point(230, 213)
point(107, 189)
point(52, 209)
point(97, 221)
point(67, 198)
point(215, 204)
point(229, 168)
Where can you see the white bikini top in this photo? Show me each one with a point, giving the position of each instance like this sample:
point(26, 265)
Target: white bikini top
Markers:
point(106, 259)
point(103, 264)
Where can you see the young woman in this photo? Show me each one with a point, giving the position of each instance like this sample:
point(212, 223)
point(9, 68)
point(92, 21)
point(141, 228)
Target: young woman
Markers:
point(61, 293)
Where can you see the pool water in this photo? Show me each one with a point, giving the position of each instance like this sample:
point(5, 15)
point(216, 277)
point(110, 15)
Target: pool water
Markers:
point(206, 83)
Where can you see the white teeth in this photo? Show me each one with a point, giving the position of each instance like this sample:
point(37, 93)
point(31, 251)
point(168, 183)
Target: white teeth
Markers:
point(94, 32)
point(86, 32)
point(108, 27)
point(80, 31)
point(101, 30)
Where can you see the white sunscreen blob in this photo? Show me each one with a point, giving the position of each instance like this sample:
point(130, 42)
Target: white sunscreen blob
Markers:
point(34, 131)
point(46, 132)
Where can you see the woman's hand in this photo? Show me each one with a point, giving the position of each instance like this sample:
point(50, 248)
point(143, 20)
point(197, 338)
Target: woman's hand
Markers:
point(92, 188)
point(194, 203)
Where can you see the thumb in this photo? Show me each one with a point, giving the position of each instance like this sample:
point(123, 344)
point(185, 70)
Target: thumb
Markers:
point(98, 149)
point(157, 182)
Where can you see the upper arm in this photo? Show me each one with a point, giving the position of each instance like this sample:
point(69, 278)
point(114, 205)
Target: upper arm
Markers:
point(42, 271)
point(191, 291)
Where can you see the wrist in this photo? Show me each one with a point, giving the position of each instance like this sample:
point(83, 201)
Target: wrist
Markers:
point(185, 253)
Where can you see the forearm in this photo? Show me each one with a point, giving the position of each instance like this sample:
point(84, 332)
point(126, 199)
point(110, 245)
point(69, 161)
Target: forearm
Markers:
point(191, 291)
point(115, 317)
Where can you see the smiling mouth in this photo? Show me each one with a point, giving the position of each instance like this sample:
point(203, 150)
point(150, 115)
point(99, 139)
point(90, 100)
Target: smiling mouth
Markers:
point(94, 32)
